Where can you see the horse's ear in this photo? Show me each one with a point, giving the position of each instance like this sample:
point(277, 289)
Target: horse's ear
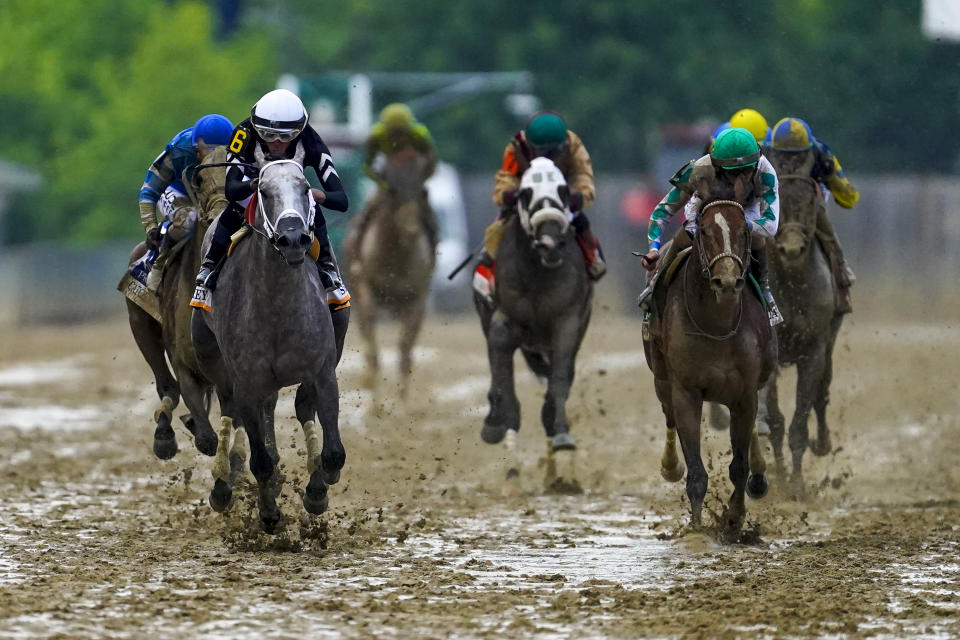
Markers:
point(524, 197)
point(703, 188)
point(564, 192)
point(299, 153)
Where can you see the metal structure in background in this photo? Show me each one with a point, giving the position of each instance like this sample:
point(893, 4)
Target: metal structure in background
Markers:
point(941, 20)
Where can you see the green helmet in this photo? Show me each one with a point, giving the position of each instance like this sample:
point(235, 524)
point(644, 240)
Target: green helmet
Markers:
point(546, 130)
point(735, 148)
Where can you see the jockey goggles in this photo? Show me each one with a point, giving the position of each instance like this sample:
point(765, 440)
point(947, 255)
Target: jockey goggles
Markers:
point(268, 134)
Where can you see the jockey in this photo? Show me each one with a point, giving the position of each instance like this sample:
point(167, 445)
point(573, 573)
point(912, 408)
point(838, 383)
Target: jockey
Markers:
point(735, 152)
point(792, 135)
point(749, 119)
point(278, 124)
point(546, 135)
point(163, 184)
point(397, 137)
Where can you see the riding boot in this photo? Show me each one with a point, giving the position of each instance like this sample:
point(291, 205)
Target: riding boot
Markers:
point(842, 272)
point(228, 223)
point(758, 268)
point(326, 261)
point(680, 241)
point(590, 246)
point(155, 276)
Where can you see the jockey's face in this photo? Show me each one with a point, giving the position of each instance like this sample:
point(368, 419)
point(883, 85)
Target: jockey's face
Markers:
point(277, 147)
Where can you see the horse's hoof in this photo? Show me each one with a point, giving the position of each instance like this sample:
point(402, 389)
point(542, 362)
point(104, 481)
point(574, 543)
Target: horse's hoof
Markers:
point(821, 447)
point(563, 442)
point(164, 448)
point(492, 434)
point(757, 485)
point(164, 440)
point(315, 497)
point(673, 475)
point(269, 523)
point(331, 477)
point(206, 441)
point(221, 496)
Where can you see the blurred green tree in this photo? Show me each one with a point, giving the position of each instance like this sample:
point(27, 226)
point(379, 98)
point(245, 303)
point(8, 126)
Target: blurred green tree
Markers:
point(93, 91)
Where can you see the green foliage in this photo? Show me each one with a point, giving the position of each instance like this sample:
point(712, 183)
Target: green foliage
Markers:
point(96, 89)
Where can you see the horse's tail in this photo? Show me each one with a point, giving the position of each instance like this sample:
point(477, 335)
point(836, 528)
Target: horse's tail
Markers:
point(537, 362)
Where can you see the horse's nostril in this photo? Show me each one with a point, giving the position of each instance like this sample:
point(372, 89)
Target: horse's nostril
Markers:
point(739, 284)
point(305, 240)
point(283, 241)
point(715, 282)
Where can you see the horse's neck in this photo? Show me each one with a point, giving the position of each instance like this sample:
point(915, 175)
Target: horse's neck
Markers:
point(279, 282)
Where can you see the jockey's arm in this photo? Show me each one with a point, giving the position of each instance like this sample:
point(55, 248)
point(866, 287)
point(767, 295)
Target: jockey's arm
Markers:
point(372, 149)
point(507, 178)
point(236, 188)
point(580, 179)
point(763, 213)
point(843, 192)
point(334, 196)
point(423, 142)
point(160, 175)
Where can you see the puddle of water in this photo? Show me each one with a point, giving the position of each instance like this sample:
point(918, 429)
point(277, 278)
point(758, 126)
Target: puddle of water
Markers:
point(45, 372)
point(54, 417)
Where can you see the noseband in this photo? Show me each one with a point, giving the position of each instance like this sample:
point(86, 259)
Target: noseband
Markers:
point(271, 227)
point(706, 264)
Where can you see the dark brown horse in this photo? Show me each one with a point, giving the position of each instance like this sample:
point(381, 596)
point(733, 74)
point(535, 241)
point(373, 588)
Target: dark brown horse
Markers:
point(714, 344)
point(171, 338)
point(801, 279)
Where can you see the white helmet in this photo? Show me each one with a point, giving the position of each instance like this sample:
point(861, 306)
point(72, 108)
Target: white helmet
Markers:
point(278, 115)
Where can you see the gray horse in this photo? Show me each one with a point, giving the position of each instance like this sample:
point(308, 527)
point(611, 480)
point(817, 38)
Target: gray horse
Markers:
point(269, 328)
point(391, 262)
point(541, 305)
point(801, 279)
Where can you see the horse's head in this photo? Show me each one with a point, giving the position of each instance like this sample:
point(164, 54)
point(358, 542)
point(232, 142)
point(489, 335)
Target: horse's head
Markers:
point(723, 244)
point(542, 205)
point(800, 197)
point(284, 206)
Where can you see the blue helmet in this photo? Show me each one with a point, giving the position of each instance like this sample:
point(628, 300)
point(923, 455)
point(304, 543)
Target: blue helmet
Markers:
point(213, 128)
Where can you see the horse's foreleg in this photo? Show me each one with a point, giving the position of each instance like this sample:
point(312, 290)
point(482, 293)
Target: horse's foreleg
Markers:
point(671, 467)
point(809, 374)
point(554, 414)
point(261, 464)
point(742, 419)
point(341, 321)
point(687, 410)
point(148, 334)
point(822, 445)
point(770, 419)
point(315, 499)
point(410, 322)
point(194, 392)
point(332, 456)
point(502, 341)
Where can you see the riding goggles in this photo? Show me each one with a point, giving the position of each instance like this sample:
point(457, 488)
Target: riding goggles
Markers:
point(268, 134)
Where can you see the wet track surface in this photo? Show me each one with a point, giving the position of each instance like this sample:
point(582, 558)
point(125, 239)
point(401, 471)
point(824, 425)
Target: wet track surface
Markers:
point(100, 539)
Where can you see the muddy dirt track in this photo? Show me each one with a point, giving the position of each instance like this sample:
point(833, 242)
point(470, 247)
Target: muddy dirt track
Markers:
point(100, 539)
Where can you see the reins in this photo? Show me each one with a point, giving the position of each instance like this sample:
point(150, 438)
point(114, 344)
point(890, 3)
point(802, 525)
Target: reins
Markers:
point(707, 265)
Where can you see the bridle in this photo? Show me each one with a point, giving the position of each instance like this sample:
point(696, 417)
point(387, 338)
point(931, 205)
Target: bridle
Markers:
point(803, 229)
point(271, 227)
point(707, 265)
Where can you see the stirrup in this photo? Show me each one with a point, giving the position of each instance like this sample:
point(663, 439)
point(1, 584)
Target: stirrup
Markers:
point(644, 296)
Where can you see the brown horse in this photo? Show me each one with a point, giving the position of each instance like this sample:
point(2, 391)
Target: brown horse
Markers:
point(801, 278)
point(391, 261)
point(171, 338)
point(714, 344)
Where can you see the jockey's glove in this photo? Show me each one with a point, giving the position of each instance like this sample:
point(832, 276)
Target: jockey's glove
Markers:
point(576, 201)
point(153, 239)
point(509, 199)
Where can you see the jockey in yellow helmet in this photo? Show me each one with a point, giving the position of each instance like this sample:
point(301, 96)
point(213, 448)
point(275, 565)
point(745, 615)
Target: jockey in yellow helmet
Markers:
point(792, 135)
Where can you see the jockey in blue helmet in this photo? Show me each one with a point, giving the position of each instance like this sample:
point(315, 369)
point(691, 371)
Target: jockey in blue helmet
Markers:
point(164, 184)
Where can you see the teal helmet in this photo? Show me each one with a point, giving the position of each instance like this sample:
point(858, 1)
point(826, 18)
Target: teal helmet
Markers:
point(545, 131)
point(735, 148)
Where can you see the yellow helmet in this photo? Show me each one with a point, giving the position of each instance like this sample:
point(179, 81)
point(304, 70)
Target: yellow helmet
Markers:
point(396, 116)
point(752, 121)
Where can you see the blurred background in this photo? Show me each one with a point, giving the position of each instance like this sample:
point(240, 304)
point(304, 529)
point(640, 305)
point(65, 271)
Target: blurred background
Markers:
point(91, 92)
